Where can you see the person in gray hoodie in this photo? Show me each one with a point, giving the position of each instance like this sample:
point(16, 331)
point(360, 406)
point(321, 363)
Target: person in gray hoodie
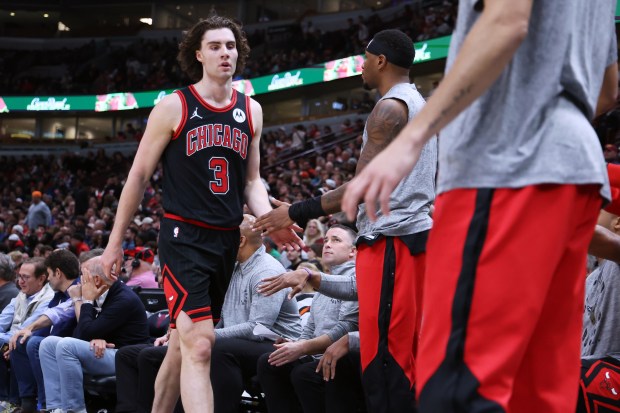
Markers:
point(330, 319)
point(237, 348)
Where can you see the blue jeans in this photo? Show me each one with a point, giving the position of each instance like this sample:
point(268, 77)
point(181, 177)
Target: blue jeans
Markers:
point(64, 361)
point(25, 362)
point(8, 383)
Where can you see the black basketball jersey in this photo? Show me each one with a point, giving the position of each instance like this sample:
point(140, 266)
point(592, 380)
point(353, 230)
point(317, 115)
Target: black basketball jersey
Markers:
point(205, 162)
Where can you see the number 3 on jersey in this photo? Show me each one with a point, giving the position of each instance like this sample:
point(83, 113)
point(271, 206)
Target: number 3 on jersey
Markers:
point(219, 166)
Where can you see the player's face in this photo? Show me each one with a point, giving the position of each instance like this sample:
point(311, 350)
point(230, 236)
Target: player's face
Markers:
point(218, 53)
point(338, 247)
point(368, 71)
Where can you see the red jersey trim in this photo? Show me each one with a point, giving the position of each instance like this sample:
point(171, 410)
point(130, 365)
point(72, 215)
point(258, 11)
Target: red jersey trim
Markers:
point(233, 101)
point(197, 223)
point(181, 126)
point(248, 110)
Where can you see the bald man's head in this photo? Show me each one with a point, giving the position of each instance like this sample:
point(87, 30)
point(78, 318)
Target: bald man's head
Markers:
point(253, 238)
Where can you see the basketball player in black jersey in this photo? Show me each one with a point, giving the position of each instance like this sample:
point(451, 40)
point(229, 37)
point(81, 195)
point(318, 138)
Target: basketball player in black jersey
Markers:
point(207, 137)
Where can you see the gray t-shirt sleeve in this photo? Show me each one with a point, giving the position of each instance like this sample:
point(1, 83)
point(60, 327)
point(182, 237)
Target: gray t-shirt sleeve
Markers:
point(348, 320)
point(354, 341)
point(342, 287)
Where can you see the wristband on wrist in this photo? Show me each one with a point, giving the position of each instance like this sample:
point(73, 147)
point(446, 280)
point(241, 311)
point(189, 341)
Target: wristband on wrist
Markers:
point(302, 212)
point(91, 302)
point(76, 299)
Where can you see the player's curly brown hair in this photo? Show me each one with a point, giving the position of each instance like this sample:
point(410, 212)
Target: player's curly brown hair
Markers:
point(192, 39)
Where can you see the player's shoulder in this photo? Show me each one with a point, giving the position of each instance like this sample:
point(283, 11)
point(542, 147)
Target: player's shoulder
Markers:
point(170, 102)
point(389, 106)
point(254, 105)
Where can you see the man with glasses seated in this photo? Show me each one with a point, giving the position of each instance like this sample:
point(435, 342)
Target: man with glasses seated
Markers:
point(33, 299)
point(63, 270)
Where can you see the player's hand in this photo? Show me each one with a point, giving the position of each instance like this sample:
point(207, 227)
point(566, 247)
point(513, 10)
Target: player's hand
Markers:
point(275, 219)
point(98, 346)
point(112, 261)
point(287, 238)
point(21, 335)
point(163, 340)
point(294, 279)
point(377, 180)
point(333, 353)
point(285, 353)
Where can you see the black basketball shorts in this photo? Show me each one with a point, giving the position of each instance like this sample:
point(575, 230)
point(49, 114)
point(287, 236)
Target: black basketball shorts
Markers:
point(197, 262)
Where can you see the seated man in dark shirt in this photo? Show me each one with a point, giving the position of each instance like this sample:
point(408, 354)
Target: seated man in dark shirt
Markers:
point(110, 315)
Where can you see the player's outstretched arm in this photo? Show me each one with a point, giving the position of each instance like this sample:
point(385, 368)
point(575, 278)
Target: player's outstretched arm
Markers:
point(163, 120)
point(255, 192)
point(385, 122)
point(501, 27)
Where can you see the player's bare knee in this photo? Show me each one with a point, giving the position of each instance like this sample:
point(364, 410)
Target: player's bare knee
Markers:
point(200, 350)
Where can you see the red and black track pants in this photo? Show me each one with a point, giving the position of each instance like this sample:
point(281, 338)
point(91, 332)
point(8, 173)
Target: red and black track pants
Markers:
point(390, 276)
point(503, 301)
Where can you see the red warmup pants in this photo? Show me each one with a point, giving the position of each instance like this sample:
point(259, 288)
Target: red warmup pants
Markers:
point(390, 276)
point(503, 299)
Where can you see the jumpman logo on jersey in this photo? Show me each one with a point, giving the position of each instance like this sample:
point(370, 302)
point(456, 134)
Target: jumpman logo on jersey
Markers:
point(195, 114)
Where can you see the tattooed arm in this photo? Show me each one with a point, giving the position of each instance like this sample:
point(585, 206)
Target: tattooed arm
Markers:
point(384, 123)
point(501, 27)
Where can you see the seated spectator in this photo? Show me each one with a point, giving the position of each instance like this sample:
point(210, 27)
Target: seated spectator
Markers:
point(314, 232)
point(601, 325)
point(284, 373)
point(63, 269)
point(298, 137)
point(25, 308)
point(140, 269)
point(610, 153)
point(305, 296)
point(110, 316)
point(8, 289)
point(237, 349)
point(129, 241)
point(78, 245)
point(342, 394)
point(294, 258)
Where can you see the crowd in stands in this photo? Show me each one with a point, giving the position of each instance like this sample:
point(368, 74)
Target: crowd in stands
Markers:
point(69, 201)
point(101, 67)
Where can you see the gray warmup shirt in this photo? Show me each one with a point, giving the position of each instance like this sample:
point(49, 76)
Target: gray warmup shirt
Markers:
point(244, 307)
point(411, 200)
point(601, 316)
point(331, 316)
point(533, 125)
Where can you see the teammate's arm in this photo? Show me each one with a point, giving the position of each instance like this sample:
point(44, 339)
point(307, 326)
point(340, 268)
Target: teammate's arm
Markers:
point(609, 90)
point(255, 193)
point(163, 120)
point(605, 244)
point(384, 123)
point(502, 27)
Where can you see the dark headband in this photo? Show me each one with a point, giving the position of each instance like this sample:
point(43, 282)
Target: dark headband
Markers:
point(378, 47)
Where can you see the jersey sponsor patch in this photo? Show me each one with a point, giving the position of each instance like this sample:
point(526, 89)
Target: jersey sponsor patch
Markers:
point(238, 115)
